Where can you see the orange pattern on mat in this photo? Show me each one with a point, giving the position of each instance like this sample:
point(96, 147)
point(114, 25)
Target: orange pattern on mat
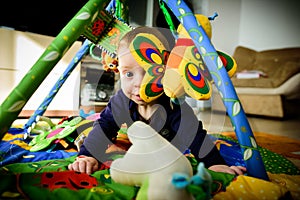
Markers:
point(282, 145)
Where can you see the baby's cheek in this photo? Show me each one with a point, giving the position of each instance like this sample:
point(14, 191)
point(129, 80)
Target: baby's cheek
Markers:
point(125, 87)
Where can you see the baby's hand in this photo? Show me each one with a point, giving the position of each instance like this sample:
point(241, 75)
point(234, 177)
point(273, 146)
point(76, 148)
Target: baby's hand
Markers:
point(84, 164)
point(238, 170)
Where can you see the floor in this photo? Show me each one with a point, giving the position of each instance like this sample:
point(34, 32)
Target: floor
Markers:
point(218, 121)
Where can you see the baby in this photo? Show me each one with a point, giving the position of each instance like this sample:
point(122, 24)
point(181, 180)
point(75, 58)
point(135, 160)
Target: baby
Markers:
point(174, 121)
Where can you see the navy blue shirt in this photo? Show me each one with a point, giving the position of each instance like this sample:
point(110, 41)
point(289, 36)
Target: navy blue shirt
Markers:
point(175, 122)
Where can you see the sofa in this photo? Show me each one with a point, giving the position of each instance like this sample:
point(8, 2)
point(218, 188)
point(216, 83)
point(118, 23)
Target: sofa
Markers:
point(278, 93)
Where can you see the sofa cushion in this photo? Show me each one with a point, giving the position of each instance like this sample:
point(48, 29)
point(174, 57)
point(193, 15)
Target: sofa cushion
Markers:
point(278, 64)
point(244, 58)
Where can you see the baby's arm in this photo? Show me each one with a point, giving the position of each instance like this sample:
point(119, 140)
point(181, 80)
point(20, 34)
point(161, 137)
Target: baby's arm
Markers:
point(84, 164)
point(95, 144)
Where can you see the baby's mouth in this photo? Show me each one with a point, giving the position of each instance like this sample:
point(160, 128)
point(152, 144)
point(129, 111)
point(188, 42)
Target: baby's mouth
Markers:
point(138, 97)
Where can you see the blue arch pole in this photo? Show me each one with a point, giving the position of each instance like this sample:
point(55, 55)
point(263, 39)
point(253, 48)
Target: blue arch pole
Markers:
point(44, 105)
point(251, 155)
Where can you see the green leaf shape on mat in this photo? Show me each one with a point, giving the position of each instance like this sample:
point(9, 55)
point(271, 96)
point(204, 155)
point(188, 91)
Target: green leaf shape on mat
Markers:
point(38, 167)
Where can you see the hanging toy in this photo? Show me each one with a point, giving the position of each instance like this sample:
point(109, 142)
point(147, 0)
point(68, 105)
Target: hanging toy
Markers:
point(228, 62)
point(151, 54)
point(181, 72)
point(186, 73)
point(109, 63)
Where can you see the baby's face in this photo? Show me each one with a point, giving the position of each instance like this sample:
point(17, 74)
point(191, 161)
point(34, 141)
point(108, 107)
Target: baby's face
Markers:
point(131, 75)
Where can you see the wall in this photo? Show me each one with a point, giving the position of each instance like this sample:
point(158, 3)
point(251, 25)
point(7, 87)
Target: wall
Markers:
point(270, 24)
point(257, 24)
point(18, 53)
point(225, 27)
point(7, 68)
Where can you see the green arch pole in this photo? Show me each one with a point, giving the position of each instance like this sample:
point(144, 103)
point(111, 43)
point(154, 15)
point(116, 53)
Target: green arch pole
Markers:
point(16, 100)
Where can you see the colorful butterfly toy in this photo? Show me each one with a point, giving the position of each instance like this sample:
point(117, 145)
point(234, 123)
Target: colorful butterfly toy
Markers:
point(177, 73)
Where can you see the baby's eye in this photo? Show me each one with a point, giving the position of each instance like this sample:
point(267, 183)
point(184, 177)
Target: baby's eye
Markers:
point(128, 74)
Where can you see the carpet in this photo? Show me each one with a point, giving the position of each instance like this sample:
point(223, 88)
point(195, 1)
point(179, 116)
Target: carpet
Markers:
point(285, 146)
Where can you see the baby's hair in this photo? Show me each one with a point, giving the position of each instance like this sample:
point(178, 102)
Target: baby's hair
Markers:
point(128, 37)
